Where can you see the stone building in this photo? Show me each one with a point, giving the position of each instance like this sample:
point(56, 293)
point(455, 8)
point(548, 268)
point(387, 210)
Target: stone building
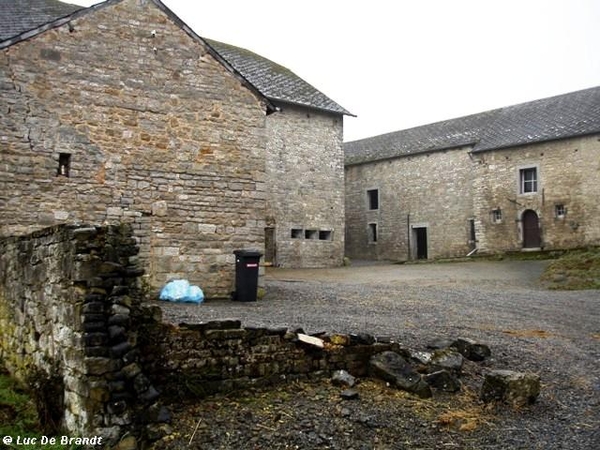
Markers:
point(305, 164)
point(120, 112)
point(517, 178)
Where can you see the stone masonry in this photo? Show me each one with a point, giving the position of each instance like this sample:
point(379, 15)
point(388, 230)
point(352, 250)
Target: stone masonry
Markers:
point(305, 167)
point(569, 175)
point(449, 191)
point(68, 302)
point(164, 137)
point(431, 191)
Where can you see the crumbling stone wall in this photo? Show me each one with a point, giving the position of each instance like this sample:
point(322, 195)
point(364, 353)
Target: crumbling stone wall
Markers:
point(221, 356)
point(68, 300)
point(157, 131)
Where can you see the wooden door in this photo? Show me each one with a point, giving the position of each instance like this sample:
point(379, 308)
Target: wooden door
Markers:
point(531, 230)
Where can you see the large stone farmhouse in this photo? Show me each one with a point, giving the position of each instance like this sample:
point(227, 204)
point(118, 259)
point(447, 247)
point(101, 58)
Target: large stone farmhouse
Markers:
point(121, 113)
point(518, 178)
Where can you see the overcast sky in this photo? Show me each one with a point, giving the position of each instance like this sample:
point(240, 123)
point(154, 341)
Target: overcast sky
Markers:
point(399, 64)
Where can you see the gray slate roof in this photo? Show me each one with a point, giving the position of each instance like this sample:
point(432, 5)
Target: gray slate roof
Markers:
point(563, 116)
point(18, 16)
point(273, 80)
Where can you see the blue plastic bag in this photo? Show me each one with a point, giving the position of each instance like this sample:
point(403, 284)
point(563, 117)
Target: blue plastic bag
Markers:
point(181, 291)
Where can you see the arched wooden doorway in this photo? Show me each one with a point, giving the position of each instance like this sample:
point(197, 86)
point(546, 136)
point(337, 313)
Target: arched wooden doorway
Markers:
point(531, 229)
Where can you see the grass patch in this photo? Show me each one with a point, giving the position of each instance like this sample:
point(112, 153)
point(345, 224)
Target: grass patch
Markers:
point(575, 270)
point(19, 415)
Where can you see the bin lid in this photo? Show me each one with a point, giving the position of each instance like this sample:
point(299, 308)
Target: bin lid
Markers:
point(248, 253)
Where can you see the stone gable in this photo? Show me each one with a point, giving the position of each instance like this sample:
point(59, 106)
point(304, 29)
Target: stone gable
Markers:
point(151, 129)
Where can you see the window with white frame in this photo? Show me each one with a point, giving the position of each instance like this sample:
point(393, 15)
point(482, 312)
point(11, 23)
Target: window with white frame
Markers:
point(560, 211)
point(528, 180)
point(496, 215)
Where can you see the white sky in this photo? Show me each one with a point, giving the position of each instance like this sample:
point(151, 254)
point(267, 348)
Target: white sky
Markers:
point(404, 63)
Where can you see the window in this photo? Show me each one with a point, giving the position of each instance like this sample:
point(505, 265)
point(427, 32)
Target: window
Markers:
point(325, 235)
point(373, 198)
point(497, 215)
point(528, 180)
point(297, 233)
point(560, 211)
point(64, 164)
point(372, 233)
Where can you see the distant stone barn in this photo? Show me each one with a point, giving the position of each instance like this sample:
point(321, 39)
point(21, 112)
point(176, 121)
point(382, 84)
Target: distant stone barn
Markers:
point(121, 113)
point(524, 177)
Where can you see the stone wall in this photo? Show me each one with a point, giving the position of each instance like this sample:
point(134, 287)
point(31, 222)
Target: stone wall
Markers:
point(305, 185)
point(449, 192)
point(68, 299)
point(201, 359)
point(154, 130)
point(568, 175)
point(431, 191)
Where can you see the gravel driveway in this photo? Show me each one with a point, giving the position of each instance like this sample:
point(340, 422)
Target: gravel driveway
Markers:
point(555, 334)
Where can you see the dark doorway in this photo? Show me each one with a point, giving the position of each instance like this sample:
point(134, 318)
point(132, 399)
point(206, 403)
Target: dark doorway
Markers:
point(420, 239)
point(531, 229)
point(270, 246)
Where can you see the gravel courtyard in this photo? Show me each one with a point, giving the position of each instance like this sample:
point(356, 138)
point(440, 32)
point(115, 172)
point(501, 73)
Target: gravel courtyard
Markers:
point(555, 334)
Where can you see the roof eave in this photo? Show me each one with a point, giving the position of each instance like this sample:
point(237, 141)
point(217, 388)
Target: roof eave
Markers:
point(537, 141)
point(316, 108)
point(406, 155)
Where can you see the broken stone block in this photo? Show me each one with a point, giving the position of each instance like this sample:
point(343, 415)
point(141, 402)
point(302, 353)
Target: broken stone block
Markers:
point(446, 359)
point(349, 394)
point(343, 378)
point(311, 340)
point(471, 350)
point(514, 388)
point(361, 339)
point(443, 380)
point(393, 368)
point(339, 339)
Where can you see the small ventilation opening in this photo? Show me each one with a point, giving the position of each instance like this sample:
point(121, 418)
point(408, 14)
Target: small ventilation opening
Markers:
point(296, 233)
point(325, 235)
point(64, 165)
point(311, 234)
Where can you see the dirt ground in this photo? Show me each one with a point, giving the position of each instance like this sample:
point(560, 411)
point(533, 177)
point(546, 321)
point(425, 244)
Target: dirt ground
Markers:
point(555, 334)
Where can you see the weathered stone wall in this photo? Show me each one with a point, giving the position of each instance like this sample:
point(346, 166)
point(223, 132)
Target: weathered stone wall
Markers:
point(568, 175)
point(305, 185)
point(221, 356)
point(445, 190)
point(431, 190)
point(68, 301)
point(159, 134)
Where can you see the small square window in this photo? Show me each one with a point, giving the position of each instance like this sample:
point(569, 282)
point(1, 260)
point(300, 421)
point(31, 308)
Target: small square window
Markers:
point(311, 234)
point(325, 235)
point(373, 198)
point(297, 233)
point(372, 231)
point(528, 180)
point(64, 165)
point(497, 215)
point(560, 211)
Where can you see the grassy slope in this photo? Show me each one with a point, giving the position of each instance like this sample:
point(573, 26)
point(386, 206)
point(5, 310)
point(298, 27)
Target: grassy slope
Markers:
point(578, 269)
point(18, 415)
